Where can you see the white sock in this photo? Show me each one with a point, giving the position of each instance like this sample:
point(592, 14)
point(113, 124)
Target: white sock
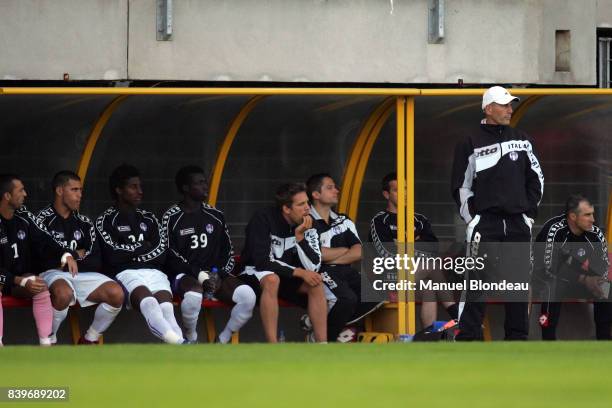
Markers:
point(58, 317)
point(190, 310)
point(104, 316)
point(167, 309)
point(241, 313)
point(152, 313)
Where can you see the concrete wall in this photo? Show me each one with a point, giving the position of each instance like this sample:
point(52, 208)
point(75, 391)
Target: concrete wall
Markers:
point(42, 39)
point(299, 40)
point(604, 13)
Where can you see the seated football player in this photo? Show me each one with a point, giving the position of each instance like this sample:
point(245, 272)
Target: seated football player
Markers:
point(22, 238)
point(340, 247)
point(133, 252)
point(282, 256)
point(383, 229)
point(198, 245)
point(77, 233)
point(572, 262)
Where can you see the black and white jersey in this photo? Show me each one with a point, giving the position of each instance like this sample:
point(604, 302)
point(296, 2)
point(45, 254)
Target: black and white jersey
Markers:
point(588, 251)
point(339, 233)
point(271, 246)
point(24, 240)
point(383, 229)
point(496, 171)
point(130, 240)
point(197, 241)
point(76, 232)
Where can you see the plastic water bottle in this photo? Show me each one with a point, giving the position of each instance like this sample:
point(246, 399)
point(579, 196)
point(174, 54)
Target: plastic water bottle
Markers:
point(281, 336)
point(214, 280)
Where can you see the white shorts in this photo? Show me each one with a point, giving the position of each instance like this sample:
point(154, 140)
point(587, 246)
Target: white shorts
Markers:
point(82, 284)
point(250, 270)
point(151, 279)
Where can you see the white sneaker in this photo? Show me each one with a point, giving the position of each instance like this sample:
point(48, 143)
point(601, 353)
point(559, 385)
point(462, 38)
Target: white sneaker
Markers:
point(45, 341)
point(172, 338)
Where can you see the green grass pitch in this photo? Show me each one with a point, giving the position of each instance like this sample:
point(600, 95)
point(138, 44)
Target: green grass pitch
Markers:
point(533, 374)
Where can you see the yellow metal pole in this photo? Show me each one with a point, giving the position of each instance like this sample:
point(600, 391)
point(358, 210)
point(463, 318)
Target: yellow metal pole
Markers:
point(410, 204)
point(93, 137)
point(401, 208)
point(233, 129)
point(362, 163)
point(208, 91)
point(292, 91)
point(348, 176)
point(521, 110)
point(519, 91)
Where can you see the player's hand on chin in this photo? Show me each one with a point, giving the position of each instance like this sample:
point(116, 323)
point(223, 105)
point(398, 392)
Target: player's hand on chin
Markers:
point(303, 227)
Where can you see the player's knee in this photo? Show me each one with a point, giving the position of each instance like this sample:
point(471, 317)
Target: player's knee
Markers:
point(61, 296)
point(244, 295)
point(316, 291)
point(270, 283)
point(115, 295)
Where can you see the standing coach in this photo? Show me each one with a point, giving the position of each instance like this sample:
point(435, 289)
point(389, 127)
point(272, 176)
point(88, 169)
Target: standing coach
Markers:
point(497, 183)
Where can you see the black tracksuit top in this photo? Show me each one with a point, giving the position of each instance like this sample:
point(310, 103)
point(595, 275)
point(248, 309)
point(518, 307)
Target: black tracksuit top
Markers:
point(496, 171)
point(197, 241)
point(75, 232)
point(24, 240)
point(270, 245)
point(130, 240)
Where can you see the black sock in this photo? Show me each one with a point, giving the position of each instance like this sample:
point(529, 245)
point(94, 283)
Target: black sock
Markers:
point(602, 331)
point(453, 311)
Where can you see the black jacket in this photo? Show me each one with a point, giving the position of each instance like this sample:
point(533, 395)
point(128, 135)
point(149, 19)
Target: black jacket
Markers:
point(24, 240)
point(383, 229)
point(197, 241)
point(130, 240)
point(75, 232)
point(558, 246)
point(270, 245)
point(496, 171)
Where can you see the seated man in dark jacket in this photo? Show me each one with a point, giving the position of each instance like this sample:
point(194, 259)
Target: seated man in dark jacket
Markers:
point(133, 252)
point(282, 258)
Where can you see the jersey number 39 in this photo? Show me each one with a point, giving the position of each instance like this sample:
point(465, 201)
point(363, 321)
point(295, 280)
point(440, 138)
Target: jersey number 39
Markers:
point(201, 242)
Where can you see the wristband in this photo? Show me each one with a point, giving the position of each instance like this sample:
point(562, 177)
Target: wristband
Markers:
point(203, 276)
point(65, 258)
point(25, 280)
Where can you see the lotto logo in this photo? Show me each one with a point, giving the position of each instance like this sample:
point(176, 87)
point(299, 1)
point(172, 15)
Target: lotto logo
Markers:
point(486, 152)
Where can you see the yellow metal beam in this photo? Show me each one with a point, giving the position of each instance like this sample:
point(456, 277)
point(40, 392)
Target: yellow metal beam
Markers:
point(460, 108)
point(522, 108)
point(592, 109)
point(357, 179)
point(405, 208)
point(355, 154)
point(401, 204)
point(410, 205)
point(519, 91)
point(292, 91)
point(93, 137)
point(207, 91)
point(233, 129)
